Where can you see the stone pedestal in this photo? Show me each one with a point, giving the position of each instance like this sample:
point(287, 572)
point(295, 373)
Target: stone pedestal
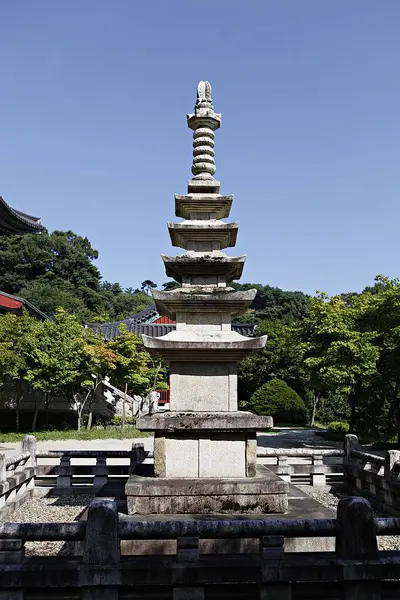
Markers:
point(264, 493)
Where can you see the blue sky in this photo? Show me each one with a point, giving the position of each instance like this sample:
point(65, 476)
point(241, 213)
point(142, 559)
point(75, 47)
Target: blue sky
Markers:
point(93, 131)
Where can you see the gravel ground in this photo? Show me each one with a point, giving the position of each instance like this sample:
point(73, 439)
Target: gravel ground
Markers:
point(329, 499)
point(51, 510)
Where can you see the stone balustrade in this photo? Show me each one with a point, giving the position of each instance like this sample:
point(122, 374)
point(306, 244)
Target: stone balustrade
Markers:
point(19, 473)
point(55, 467)
point(372, 476)
point(305, 465)
point(355, 570)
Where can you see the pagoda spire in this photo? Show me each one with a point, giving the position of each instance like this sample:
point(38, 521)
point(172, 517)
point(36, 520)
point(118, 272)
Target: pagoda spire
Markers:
point(204, 121)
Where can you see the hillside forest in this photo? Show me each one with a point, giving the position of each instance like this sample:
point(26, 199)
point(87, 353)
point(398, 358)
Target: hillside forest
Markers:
point(327, 360)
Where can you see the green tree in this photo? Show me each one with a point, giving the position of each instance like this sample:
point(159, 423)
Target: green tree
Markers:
point(16, 336)
point(147, 286)
point(59, 255)
point(281, 358)
point(168, 286)
point(50, 295)
point(340, 357)
point(274, 304)
point(136, 370)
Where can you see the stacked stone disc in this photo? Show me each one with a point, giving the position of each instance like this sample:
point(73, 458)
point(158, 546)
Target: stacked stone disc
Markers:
point(204, 448)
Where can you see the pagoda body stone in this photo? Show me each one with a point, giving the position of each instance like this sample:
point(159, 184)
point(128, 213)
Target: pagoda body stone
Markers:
point(204, 442)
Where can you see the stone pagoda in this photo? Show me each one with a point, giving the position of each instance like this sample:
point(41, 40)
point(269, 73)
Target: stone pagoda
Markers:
point(205, 450)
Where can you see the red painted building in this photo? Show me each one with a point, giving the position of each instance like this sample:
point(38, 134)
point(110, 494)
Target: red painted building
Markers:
point(15, 304)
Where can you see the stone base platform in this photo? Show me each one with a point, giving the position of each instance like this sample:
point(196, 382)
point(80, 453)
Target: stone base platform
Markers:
point(265, 493)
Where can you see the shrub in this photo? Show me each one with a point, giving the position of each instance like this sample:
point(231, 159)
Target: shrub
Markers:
point(277, 399)
point(117, 420)
point(335, 432)
point(339, 426)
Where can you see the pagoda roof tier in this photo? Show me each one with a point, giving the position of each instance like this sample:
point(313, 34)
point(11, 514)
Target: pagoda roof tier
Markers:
point(201, 299)
point(188, 265)
point(203, 231)
point(204, 421)
point(220, 346)
point(13, 221)
point(215, 204)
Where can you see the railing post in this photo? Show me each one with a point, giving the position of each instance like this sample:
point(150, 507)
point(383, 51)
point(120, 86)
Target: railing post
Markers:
point(12, 552)
point(3, 480)
point(272, 547)
point(318, 470)
point(188, 593)
point(64, 479)
point(283, 468)
point(100, 572)
point(357, 541)
point(350, 444)
point(29, 444)
point(101, 472)
point(275, 591)
point(187, 549)
point(137, 456)
point(391, 457)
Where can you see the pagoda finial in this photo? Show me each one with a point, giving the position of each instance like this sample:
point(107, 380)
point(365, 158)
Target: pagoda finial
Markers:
point(204, 95)
point(204, 121)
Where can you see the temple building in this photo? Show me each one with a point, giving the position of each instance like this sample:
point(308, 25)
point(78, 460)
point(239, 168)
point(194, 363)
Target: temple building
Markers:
point(14, 222)
point(15, 305)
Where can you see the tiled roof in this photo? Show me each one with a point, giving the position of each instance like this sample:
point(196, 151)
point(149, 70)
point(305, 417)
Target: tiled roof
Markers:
point(141, 323)
point(13, 221)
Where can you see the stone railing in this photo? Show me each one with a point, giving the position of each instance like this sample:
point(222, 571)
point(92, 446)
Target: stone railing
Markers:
point(376, 477)
point(305, 465)
point(355, 570)
point(64, 473)
point(19, 473)
point(17, 476)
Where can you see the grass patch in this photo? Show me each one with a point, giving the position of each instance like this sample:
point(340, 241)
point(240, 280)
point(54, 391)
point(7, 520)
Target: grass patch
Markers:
point(72, 434)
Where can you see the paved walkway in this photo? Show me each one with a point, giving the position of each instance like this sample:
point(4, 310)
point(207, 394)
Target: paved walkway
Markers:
point(291, 437)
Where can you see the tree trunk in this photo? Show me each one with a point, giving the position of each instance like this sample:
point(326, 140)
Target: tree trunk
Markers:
point(90, 420)
point(17, 426)
point(47, 412)
point(316, 397)
point(36, 413)
point(17, 401)
point(123, 408)
point(79, 419)
point(352, 423)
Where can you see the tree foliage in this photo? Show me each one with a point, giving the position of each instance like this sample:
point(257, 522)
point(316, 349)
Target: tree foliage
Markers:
point(56, 270)
point(135, 367)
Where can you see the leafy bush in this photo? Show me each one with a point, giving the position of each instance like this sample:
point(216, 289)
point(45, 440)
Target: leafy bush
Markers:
point(117, 420)
point(277, 399)
point(333, 407)
point(340, 426)
point(335, 432)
